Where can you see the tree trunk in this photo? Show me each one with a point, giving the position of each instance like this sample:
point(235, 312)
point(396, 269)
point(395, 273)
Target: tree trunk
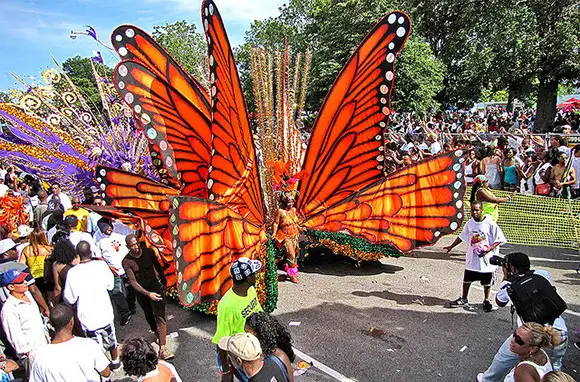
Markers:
point(546, 105)
point(510, 102)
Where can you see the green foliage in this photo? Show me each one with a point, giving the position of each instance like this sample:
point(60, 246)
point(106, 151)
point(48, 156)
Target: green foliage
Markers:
point(419, 78)
point(186, 45)
point(333, 30)
point(4, 97)
point(524, 47)
point(563, 89)
point(79, 70)
point(488, 95)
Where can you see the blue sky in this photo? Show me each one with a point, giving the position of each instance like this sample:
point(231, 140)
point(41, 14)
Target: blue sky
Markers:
point(31, 30)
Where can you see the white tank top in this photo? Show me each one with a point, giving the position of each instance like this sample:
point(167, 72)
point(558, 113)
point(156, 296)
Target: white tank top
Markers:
point(542, 370)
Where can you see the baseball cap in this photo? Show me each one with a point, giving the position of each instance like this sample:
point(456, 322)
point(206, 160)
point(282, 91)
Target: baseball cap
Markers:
point(6, 245)
point(12, 276)
point(23, 230)
point(243, 268)
point(243, 345)
point(480, 178)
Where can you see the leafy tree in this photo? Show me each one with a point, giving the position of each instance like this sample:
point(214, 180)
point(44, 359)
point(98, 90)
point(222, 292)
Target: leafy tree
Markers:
point(80, 72)
point(558, 31)
point(4, 97)
point(333, 30)
point(527, 47)
point(186, 45)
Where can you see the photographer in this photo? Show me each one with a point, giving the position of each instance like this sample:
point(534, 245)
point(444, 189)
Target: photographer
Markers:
point(516, 266)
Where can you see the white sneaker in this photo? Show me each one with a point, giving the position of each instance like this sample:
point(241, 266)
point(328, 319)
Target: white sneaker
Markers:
point(480, 377)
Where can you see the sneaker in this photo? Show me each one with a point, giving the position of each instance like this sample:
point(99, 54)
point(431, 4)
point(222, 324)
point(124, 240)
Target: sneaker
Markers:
point(165, 355)
point(487, 306)
point(468, 307)
point(115, 365)
point(459, 302)
point(126, 320)
point(480, 377)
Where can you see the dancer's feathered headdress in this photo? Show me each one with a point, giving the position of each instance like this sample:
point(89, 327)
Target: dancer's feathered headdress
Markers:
point(284, 182)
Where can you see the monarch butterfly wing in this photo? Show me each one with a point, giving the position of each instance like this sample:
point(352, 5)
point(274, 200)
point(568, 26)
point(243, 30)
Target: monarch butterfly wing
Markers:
point(157, 162)
point(234, 179)
point(148, 201)
point(345, 150)
point(125, 190)
point(208, 236)
point(180, 131)
point(409, 208)
point(132, 43)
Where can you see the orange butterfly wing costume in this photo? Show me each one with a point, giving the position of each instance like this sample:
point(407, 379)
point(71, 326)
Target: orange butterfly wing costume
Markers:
point(210, 234)
point(344, 189)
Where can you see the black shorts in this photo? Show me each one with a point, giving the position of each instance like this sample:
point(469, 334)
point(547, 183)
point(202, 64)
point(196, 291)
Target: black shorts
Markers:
point(483, 278)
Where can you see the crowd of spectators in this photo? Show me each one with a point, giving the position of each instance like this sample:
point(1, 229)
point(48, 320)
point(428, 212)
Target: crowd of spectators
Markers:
point(502, 146)
point(68, 278)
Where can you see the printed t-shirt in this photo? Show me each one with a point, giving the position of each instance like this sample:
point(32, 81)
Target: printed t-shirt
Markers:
point(233, 311)
point(479, 236)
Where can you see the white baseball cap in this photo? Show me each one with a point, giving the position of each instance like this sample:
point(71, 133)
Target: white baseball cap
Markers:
point(6, 245)
point(243, 345)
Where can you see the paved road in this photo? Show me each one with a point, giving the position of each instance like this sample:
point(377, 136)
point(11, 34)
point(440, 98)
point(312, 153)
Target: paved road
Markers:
point(414, 337)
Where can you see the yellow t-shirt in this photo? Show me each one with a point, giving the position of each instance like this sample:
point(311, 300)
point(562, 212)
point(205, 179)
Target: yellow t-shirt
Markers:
point(82, 215)
point(233, 311)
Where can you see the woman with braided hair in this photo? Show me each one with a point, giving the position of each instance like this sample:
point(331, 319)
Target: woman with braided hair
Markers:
point(527, 342)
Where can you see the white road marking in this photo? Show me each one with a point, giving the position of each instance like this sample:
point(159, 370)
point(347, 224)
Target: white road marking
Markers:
point(194, 331)
point(322, 367)
point(554, 260)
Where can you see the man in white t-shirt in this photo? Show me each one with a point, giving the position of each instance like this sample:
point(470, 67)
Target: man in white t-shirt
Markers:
point(21, 318)
point(113, 250)
point(435, 146)
point(483, 238)
point(69, 358)
point(75, 236)
point(88, 285)
point(3, 188)
point(64, 199)
point(505, 359)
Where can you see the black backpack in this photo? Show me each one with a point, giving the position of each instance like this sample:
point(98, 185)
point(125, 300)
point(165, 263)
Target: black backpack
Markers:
point(535, 299)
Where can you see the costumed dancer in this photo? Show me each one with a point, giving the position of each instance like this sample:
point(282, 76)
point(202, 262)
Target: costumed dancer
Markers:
point(285, 230)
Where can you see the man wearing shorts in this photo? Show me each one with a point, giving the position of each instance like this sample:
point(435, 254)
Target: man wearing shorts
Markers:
point(483, 238)
point(87, 286)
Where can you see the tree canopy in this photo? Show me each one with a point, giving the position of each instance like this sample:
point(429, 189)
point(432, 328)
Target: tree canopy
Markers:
point(333, 30)
point(526, 47)
point(186, 45)
point(80, 72)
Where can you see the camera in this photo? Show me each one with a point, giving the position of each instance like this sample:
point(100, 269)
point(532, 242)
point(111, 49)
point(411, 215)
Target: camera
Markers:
point(498, 260)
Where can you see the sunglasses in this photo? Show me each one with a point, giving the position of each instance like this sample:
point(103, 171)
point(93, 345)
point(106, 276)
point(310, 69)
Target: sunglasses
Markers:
point(519, 340)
